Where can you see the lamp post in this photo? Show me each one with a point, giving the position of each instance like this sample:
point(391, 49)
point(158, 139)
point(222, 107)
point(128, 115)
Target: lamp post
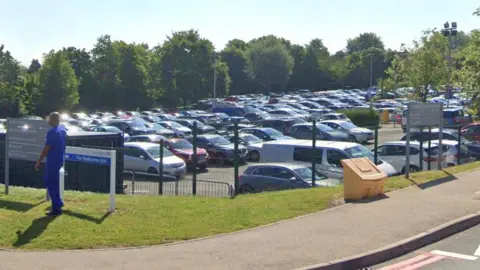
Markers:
point(449, 31)
point(214, 103)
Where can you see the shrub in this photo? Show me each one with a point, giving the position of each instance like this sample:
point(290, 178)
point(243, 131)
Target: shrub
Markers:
point(363, 117)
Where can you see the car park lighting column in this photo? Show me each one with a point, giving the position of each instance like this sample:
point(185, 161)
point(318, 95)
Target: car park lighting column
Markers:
point(194, 159)
point(235, 173)
point(160, 168)
point(314, 155)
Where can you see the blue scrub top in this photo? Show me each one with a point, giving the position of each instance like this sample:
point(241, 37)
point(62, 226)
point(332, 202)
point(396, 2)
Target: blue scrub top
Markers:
point(56, 139)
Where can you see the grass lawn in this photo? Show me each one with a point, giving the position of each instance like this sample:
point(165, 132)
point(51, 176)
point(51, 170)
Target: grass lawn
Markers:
point(145, 220)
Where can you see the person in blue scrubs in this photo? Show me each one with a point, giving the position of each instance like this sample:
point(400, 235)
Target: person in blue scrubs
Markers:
point(54, 151)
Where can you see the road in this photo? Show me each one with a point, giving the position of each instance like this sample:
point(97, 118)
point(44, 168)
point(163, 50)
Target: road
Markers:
point(458, 252)
point(208, 181)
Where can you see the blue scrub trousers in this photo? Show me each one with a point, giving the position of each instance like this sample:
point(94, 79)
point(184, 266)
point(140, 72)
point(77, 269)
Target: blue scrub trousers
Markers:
point(52, 182)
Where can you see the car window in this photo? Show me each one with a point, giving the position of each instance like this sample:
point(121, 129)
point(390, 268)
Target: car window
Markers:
point(395, 150)
point(283, 173)
point(265, 171)
point(414, 151)
point(134, 152)
point(334, 157)
point(305, 155)
point(382, 150)
point(448, 136)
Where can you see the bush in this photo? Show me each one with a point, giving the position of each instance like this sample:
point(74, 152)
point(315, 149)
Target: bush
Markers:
point(363, 117)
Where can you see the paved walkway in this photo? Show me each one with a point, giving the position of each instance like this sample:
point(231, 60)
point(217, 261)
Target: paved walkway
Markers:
point(317, 238)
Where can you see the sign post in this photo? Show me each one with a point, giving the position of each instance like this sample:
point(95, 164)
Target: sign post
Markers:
point(422, 115)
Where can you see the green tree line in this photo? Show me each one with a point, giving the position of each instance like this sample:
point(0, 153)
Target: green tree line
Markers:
point(118, 75)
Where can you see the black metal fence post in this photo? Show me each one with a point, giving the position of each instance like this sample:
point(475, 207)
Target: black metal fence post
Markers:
point(236, 161)
point(314, 151)
point(375, 146)
point(160, 169)
point(429, 145)
point(459, 139)
point(194, 159)
point(421, 151)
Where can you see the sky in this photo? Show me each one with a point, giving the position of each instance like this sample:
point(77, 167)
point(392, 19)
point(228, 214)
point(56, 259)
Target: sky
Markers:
point(30, 28)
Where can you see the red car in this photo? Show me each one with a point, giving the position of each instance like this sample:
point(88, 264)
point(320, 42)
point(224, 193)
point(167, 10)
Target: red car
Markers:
point(184, 150)
point(472, 131)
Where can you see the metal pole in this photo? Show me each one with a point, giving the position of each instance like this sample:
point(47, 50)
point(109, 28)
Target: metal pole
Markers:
point(440, 136)
point(371, 70)
point(429, 145)
point(421, 150)
point(160, 169)
point(314, 151)
point(194, 144)
point(459, 142)
point(449, 68)
point(7, 161)
point(214, 82)
point(235, 169)
point(407, 149)
point(375, 145)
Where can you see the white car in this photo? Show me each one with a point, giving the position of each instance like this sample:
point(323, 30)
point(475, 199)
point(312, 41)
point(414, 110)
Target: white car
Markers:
point(395, 153)
point(450, 148)
point(287, 113)
point(179, 130)
point(145, 157)
point(356, 134)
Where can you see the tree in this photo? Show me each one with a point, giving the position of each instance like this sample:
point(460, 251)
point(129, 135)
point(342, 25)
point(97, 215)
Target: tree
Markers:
point(82, 65)
point(58, 84)
point(426, 66)
point(234, 57)
point(187, 68)
point(364, 42)
point(105, 75)
point(10, 83)
point(269, 63)
point(34, 66)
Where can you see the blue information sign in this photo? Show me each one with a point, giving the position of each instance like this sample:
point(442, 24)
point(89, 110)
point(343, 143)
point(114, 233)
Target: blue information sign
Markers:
point(87, 159)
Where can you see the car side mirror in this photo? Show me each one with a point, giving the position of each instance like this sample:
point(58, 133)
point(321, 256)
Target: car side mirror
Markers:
point(142, 157)
point(293, 179)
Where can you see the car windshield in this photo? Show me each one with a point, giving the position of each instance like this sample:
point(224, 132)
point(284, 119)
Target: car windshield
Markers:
point(219, 140)
point(113, 129)
point(342, 116)
point(222, 115)
point(433, 150)
point(136, 124)
point(158, 127)
point(347, 125)
point(174, 124)
point(262, 114)
point(360, 151)
point(306, 174)
point(181, 144)
point(249, 138)
point(273, 132)
point(154, 152)
point(324, 128)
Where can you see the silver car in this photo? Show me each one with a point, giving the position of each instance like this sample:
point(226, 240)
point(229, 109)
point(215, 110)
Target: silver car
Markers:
point(145, 157)
point(355, 134)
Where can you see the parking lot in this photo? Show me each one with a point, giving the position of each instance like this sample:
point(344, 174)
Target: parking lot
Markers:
point(226, 174)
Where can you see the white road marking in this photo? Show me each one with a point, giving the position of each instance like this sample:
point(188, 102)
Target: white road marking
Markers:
point(477, 252)
point(454, 255)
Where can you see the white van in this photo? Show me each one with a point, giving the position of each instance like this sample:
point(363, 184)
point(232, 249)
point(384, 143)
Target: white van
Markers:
point(328, 153)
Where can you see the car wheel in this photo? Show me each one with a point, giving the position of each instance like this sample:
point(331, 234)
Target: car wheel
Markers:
point(246, 189)
point(413, 169)
point(352, 138)
point(450, 165)
point(152, 171)
point(203, 167)
point(254, 156)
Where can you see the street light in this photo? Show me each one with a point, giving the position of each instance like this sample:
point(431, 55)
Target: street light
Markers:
point(449, 32)
point(214, 103)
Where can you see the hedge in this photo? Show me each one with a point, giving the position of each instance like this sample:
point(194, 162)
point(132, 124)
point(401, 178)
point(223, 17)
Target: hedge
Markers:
point(363, 117)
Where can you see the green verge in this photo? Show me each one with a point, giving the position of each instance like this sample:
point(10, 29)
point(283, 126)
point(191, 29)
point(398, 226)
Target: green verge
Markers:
point(147, 220)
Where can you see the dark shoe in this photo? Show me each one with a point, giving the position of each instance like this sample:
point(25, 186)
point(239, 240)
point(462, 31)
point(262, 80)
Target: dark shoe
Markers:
point(54, 213)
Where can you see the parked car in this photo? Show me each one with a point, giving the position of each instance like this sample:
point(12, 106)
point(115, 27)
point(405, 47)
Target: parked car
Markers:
point(145, 157)
point(328, 155)
point(179, 130)
point(151, 138)
point(201, 127)
point(131, 127)
point(323, 132)
point(453, 152)
point(395, 153)
point(230, 129)
point(471, 131)
point(281, 124)
point(253, 144)
point(356, 134)
point(280, 176)
point(184, 150)
point(161, 130)
point(266, 134)
point(334, 116)
point(111, 129)
point(220, 149)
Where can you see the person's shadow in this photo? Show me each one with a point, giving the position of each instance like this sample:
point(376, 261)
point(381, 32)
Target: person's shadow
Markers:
point(38, 226)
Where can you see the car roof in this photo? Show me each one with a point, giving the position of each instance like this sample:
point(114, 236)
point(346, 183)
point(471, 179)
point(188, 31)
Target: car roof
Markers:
point(142, 145)
point(148, 136)
point(446, 142)
point(291, 166)
point(336, 121)
point(318, 143)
